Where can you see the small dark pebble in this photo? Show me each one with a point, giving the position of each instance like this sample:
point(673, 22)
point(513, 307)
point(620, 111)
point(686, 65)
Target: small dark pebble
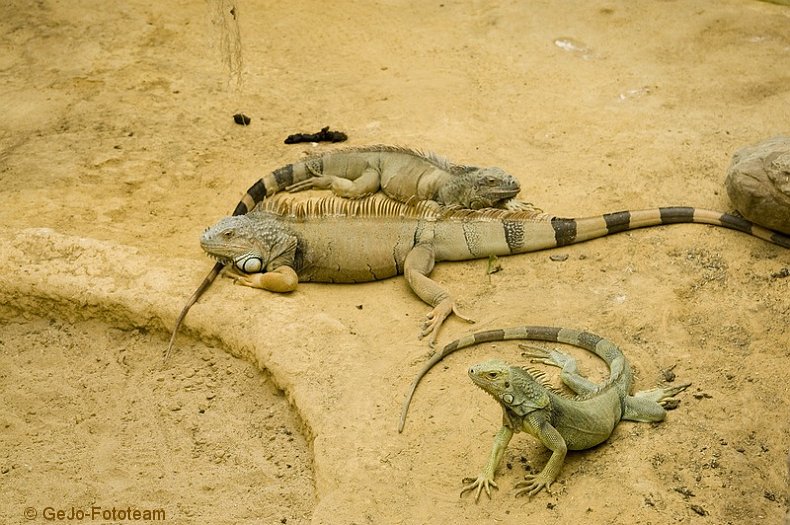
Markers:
point(699, 510)
point(241, 119)
point(359, 307)
point(702, 395)
point(322, 136)
point(685, 491)
point(770, 496)
point(559, 258)
point(550, 505)
point(781, 274)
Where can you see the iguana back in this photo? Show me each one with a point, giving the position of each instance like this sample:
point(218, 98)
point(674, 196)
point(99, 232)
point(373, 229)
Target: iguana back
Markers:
point(403, 174)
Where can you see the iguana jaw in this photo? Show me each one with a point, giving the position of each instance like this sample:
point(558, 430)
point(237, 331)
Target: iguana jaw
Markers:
point(519, 394)
point(479, 188)
point(229, 241)
point(492, 376)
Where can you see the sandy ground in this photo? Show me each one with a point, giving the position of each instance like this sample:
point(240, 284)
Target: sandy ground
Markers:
point(117, 148)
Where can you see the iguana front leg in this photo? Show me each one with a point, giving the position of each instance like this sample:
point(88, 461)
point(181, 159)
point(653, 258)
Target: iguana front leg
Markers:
point(417, 267)
point(282, 279)
point(537, 425)
point(517, 205)
point(366, 184)
point(485, 480)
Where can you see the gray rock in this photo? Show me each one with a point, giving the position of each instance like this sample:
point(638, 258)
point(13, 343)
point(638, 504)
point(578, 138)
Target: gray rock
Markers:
point(758, 183)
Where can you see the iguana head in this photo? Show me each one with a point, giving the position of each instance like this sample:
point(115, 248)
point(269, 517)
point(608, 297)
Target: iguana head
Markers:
point(479, 188)
point(252, 243)
point(512, 386)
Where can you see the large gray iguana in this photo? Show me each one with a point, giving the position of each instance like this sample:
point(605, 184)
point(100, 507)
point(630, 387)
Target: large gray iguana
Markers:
point(406, 175)
point(559, 422)
point(341, 241)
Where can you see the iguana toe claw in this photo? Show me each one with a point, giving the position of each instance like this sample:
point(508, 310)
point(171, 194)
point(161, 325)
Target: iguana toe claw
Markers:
point(478, 485)
point(535, 353)
point(462, 316)
point(435, 318)
point(532, 485)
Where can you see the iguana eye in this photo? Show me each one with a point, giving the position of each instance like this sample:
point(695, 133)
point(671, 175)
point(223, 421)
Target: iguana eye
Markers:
point(492, 375)
point(227, 234)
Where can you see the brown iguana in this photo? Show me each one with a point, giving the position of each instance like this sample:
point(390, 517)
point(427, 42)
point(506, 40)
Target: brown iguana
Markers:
point(341, 241)
point(559, 422)
point(406, 175)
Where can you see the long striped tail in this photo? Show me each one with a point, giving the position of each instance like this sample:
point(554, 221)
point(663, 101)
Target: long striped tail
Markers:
point(569, 231)
point(603, 348)
point(278, 181)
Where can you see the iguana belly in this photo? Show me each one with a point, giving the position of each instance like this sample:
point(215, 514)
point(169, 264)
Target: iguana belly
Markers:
point(584, 424)
point(343, 251)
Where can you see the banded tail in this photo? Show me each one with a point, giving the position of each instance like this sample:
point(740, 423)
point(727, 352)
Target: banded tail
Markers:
point(601, 347)
point(570, 231)
point(266, 186)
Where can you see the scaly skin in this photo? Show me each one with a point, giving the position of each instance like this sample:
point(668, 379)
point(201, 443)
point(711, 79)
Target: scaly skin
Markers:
point(337, 240)
point(558, 422)
point(404, 174)
point(407, 175)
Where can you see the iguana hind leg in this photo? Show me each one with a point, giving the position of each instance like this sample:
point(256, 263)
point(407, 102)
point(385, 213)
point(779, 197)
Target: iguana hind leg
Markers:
point(364, 185)
point(570, 371)
point(416, 268)
point(648, 405)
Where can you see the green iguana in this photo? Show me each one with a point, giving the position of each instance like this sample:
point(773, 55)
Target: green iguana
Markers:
point(559, 422)
point(341, 241)
point(406, 175)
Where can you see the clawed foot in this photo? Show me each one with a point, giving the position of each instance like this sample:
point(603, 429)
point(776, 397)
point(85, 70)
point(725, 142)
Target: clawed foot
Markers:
point(306, 185)
point(546, 357)
point(237, 276)
point(662, 396)
point(516, 205)
point(532, 485)
point(435, 318)
point(478, 485)
point(281, 280)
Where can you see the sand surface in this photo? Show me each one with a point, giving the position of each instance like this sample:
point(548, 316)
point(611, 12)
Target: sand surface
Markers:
point(118, 147)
